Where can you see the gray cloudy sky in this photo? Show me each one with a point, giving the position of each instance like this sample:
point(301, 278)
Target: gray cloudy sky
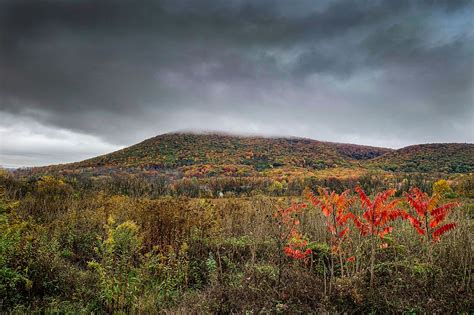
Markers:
point(81, 77)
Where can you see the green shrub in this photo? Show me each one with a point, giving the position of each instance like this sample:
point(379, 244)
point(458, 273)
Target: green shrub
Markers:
point(118, 266)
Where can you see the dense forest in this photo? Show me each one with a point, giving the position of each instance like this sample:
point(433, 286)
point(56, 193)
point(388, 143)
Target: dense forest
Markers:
point(238, 225)
point(215, 155)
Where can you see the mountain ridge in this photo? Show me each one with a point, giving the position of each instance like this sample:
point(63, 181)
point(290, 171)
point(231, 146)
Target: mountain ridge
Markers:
point(212, 154)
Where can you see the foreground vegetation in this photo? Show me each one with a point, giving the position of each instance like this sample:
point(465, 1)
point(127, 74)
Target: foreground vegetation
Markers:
point(74, 245)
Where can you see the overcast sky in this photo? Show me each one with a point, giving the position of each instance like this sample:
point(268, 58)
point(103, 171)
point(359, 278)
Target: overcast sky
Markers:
point(80, 78)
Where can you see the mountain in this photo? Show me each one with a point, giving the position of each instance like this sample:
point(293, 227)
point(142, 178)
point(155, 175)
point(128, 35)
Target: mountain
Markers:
point(181, 149)
point(426, 158)
point(208, 155)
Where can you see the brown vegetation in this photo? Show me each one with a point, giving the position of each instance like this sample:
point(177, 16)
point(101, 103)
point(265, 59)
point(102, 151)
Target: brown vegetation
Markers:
point(69, 247)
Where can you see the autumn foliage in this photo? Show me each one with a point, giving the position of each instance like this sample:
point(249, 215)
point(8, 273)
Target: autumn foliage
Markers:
point(66, 248)
point(377, 217)
point(334, 207)
point(427, 216)
point(378, 213)
point(288, 222)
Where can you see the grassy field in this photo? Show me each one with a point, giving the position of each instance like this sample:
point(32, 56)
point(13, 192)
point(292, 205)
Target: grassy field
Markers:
point(69, 250)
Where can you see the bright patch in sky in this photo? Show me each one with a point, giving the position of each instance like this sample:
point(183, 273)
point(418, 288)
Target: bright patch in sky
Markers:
point(28, 143)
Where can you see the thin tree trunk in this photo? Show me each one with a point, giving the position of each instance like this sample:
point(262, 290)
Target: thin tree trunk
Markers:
point(331, 276)
point(429, 248)
point(341, 262)
point(372, 262)
point(280, 262)
point(325, 278)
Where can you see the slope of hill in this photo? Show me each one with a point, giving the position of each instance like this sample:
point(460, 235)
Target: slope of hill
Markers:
point(359, 152)
point(427, 158)
point(221, 154)
point(178, 150)
point(207, 155)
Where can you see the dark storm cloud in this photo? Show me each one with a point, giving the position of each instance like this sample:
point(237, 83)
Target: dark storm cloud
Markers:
point(380, 72)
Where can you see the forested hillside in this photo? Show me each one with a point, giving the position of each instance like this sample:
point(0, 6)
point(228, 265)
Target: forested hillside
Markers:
point(214, 155)
point(427, 158)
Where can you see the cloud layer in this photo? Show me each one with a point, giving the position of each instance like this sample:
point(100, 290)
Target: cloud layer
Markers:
point(114, 72)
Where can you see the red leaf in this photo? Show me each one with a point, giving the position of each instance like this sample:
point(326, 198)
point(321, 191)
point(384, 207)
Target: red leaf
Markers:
point(343, 232)
point(443, 209)
point(341, 220)
point(443, 229)
point(312, 198)
point(326, 211)
point(331, 228)
point(419, 230)
point(415, 199)
point(385, 231)
point(363, 197)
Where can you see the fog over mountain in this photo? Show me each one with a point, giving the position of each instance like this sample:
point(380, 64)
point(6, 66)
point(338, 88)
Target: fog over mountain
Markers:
point(82, 78)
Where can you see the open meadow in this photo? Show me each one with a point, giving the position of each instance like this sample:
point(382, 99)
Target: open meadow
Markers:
point(66, 246)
